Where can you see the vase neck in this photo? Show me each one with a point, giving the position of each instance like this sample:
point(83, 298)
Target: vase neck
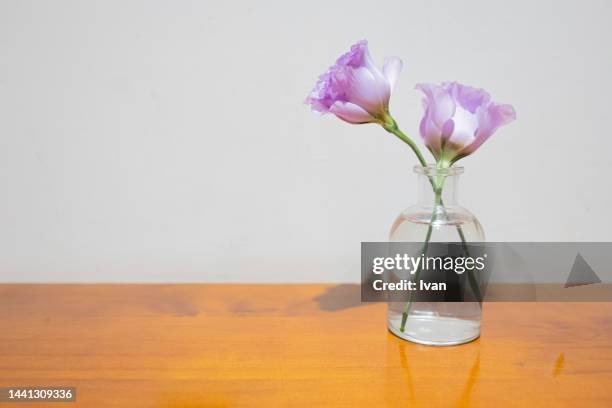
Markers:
point(445, 180)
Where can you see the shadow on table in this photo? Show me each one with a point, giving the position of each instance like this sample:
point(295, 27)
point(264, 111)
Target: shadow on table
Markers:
point(340, 297)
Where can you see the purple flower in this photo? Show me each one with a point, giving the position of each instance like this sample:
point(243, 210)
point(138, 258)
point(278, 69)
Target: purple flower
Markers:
point(458, 119)
point(354, 89)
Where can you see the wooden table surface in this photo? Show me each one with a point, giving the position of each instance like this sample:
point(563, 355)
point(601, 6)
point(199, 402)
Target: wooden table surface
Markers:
point(194, 346)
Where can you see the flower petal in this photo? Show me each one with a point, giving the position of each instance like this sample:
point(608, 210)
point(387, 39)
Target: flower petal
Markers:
point(369, 90)
point(466, 125)
point(447, 129)
point(489, 120)
point(357, 56)
point(439, 101)
point(354, 78)
point(467, 97)
point(391, 70)
point(351, 113)
point(430, 134)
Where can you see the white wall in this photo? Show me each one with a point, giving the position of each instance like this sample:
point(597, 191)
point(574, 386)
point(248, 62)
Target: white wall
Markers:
point(167, 140)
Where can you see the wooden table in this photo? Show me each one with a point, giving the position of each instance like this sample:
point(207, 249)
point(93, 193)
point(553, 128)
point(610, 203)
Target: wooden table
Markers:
point(194, 346)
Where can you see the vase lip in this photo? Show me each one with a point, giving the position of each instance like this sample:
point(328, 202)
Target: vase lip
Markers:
point(433, 170)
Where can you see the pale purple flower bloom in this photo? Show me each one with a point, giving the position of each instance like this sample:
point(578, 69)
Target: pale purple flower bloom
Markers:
point(458, 119)
point(354, 89)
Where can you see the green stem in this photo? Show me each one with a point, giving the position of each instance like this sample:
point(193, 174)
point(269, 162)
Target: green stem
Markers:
point(390, 125)
point(434, 216)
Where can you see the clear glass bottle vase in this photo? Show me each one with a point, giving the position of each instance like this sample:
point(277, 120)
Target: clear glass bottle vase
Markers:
point(439, 217)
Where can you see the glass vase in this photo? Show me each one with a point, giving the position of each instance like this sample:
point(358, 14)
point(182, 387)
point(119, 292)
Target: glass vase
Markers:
point(436, 217)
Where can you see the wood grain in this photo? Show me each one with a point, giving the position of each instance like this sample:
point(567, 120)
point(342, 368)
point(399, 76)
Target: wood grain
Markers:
point(193, 346)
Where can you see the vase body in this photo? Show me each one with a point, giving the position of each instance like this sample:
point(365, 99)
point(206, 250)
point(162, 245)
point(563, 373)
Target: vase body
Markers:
point(440, 217)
